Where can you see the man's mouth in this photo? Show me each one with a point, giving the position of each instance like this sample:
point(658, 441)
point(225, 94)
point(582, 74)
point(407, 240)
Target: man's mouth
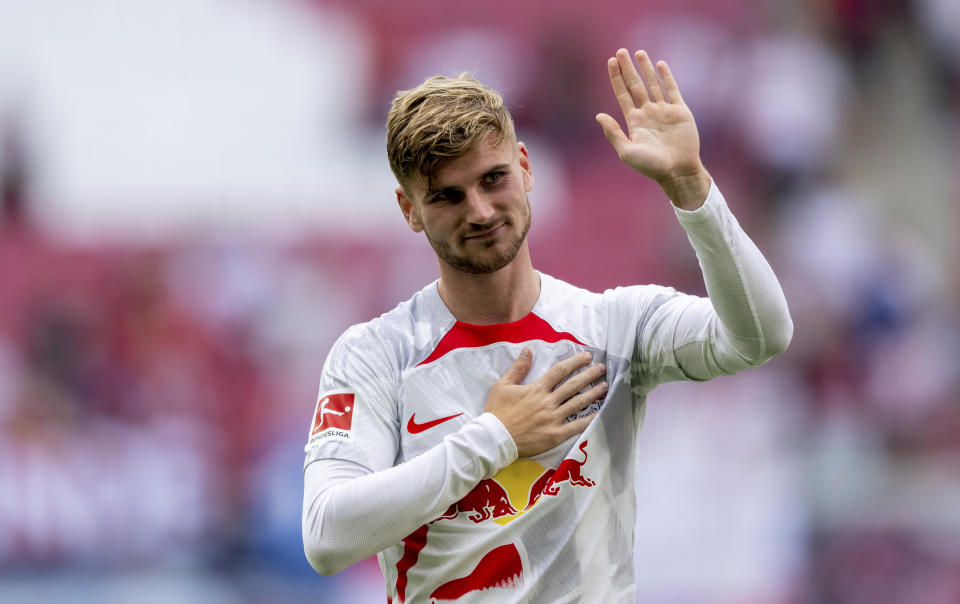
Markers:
point(488, 234)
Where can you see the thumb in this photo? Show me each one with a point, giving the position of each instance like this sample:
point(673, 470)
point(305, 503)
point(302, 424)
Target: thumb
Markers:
point(612, 130)
point(520, 367)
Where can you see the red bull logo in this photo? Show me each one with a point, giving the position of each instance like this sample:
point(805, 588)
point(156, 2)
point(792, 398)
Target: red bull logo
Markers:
point(515, 489)
point(568, 471)
point(486, 500)
point(511, 492)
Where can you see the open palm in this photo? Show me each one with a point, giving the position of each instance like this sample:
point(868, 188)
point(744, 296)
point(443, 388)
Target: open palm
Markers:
point(661, 141)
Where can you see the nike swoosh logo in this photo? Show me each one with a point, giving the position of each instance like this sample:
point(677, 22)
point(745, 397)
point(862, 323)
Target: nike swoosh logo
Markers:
point(415, 428)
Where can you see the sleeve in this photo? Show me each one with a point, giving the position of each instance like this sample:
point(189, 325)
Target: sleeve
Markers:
point(355, 417)
point(356, 502)
point(350, 513)
point(743, 323)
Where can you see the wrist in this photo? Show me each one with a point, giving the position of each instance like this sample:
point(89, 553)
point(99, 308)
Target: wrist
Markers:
point(688, 190)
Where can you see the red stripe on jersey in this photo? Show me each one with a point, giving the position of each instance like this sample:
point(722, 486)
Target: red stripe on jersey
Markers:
point(501, 567)
point(412, 545)
point(467, 335)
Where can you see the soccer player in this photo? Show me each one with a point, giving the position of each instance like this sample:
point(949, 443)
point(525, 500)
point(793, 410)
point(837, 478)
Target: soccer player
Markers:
point(481, 436)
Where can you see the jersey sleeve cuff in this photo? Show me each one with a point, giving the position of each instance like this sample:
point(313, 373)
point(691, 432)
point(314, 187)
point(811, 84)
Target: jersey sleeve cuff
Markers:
point(501, 443)
point(713, 204)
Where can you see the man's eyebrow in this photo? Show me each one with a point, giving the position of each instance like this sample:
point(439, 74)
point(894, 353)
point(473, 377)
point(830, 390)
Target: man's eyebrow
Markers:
point(440, 188)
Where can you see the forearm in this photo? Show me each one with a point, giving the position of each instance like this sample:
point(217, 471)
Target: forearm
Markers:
point(350, 514)
point(745, 322)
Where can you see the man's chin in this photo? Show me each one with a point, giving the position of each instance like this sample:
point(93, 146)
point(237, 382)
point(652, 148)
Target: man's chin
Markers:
point(480, 264)
point(481, 260)
point(478, 267)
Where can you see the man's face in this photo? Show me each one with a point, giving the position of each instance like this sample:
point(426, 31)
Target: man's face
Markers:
point(475, 212)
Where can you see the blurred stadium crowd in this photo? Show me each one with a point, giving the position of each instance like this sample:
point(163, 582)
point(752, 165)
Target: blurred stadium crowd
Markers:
point(155, 395)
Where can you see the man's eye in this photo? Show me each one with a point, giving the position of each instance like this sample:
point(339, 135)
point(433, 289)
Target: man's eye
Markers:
point(446, 196)
point(492, 177)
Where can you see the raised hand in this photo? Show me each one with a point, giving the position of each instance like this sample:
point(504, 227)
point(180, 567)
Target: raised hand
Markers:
point(534, 414)
point(661, 141)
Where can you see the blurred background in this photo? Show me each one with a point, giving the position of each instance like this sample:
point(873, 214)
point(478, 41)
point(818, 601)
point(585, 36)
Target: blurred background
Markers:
point(195, 202)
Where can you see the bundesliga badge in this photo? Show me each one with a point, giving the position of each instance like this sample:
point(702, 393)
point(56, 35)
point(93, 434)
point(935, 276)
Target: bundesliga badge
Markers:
point(333, 416)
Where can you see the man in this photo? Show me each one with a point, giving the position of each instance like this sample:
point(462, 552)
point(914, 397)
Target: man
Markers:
point(481, 436)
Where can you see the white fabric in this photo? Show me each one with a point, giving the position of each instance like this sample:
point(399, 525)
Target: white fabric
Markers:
point(451, 510)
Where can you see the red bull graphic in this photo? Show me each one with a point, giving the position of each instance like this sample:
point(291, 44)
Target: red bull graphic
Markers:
point(516, 489)
point(567, 471)
point(511, 492)
point(499, 568)
point(486, 500)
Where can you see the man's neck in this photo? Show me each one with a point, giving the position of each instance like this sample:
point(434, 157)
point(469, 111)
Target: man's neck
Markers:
point(502, 297)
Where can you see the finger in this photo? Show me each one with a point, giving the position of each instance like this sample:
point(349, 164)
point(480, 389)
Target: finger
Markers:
point(673, 91)
point(519, 369)
point(650, 76)
point(561, 370)
point(577, 426)
point(612, 130)
point(631, 78)
point(578, 382)
point(624, 98)
point(583, 400)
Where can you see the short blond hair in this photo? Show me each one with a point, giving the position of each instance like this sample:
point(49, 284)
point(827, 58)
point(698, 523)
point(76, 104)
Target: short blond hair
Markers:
point(441, 120)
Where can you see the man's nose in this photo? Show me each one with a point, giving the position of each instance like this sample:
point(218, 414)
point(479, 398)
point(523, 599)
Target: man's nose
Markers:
point(479, 208)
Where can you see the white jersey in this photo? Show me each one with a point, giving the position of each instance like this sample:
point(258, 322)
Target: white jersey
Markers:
point(556, 527)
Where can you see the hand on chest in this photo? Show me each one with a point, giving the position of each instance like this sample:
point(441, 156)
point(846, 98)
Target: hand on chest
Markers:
point(439, 397)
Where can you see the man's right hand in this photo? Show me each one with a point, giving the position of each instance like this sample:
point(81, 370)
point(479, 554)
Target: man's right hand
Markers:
point(534, 413)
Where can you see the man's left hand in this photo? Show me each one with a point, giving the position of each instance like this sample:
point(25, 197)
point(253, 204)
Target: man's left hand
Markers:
point(661, 140)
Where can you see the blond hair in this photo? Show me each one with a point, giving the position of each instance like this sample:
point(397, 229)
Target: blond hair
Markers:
point(441, 120)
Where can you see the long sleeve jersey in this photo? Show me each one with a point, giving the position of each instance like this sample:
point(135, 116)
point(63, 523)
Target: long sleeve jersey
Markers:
point(402, 461)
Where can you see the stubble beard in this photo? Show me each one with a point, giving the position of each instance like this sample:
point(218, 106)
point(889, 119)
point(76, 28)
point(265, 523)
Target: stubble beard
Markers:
point(475, 265)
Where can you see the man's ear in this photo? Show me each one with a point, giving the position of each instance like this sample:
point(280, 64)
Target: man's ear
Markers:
point(524, 159)
point(406, 206)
